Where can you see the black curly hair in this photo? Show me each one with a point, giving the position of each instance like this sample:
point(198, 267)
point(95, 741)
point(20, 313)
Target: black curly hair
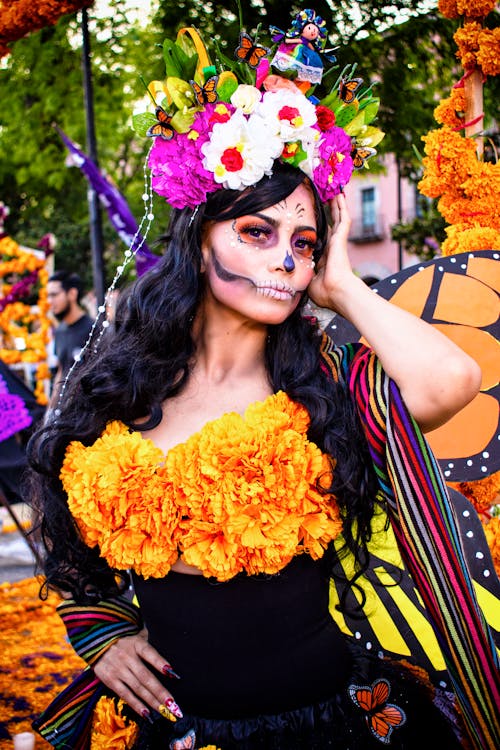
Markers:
point(147, 359)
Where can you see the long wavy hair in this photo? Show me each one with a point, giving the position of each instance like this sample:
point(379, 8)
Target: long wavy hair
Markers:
point(147, 359)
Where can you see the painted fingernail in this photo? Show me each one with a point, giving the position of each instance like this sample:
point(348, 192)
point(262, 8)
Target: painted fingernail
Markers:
point(172, 706)
point(167, 669)
point(146, 715)
point(341, 188)
point(163, 710)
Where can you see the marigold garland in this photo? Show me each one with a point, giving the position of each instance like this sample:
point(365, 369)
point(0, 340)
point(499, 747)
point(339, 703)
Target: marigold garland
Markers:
point(492, 532)
point(240, 495)
point(20, 321)
point(20, 17)
point(470, 8)
point(482, 493)
point(478, 47)
point(467, 188)
point(451, 111)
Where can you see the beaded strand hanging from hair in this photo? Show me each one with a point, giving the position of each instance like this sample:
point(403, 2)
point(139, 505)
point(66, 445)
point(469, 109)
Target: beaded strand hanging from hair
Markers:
point(129, 255)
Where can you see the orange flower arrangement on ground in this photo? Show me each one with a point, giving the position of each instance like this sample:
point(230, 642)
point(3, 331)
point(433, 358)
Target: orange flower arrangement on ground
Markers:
point(20, 321)
point(20, 17)
point(37, 660)
point(243, 494)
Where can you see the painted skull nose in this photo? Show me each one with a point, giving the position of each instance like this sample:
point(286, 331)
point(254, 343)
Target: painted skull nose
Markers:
point(288, 263)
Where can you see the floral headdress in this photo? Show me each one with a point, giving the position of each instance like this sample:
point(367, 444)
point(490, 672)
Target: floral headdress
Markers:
point(224, 125)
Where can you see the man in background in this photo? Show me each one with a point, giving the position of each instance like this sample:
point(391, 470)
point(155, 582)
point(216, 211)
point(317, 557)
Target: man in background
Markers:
point(64, 292)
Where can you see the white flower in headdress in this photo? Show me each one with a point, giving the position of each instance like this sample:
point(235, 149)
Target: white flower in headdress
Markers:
point(291, 115)
point(245, 98)
point(241, 151)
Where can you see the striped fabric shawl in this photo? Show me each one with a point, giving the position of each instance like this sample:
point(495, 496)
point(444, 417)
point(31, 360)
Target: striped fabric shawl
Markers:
point(427, 533)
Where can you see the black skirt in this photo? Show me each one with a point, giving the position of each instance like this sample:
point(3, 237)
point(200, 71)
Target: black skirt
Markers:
point(356, 718)
point(264, 667)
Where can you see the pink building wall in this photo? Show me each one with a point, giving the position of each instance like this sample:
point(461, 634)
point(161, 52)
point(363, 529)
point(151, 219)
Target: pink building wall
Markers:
point(373, 204)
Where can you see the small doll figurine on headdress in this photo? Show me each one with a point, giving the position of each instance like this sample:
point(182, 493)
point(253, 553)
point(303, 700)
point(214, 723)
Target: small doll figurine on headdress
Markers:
point(298, 55)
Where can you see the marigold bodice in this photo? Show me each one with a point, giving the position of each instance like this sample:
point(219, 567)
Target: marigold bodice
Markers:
point(245, 493)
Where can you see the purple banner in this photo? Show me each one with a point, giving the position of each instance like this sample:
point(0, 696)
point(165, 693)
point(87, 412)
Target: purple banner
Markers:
point(115, 204)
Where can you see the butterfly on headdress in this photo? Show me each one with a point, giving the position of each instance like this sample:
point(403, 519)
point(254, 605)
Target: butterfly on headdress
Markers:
point(360, 154)
point(348, 89)
point(206, 94)
point(381, 717)
point(249, 52)
point(162, 127)
point(188, 742)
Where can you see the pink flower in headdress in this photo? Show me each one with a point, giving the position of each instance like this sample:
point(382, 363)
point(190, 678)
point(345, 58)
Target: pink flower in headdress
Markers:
point(335, 163)
point(176, 166)
point(274, 83)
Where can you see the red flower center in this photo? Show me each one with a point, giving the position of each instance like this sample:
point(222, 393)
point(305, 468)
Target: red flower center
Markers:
point(288, 113)
point(232, 159)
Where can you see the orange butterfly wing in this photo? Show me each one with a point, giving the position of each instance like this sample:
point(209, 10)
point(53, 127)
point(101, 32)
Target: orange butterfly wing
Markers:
point(161, 128)
point(184, 743)
point(360, 155)
point(382, 722)
point(206, 94)
point(459, 295)
point(249, 52)
point(347, 89)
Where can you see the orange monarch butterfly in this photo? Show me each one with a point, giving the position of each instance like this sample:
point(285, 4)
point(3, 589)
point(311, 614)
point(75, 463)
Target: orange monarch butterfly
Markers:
point(184, 743)
point(382, 717)
point(163, 127)
point(460, 296)
point(206, 94)
point(360, 154)
point(249, 52)
point(347, 89)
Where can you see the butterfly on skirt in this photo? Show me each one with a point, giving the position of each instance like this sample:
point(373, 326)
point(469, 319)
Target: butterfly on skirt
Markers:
point(381, 717)
point(187, 742)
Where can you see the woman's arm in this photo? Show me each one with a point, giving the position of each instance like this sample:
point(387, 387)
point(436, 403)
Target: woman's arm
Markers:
point(436, 377)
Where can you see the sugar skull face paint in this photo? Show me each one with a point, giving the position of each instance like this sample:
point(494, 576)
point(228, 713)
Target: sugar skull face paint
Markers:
point(261, 263)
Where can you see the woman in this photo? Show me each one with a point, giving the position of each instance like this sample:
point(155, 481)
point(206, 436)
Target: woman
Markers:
point(217, 449)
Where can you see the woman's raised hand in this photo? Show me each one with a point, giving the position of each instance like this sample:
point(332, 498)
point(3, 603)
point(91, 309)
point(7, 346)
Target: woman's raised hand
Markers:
point(334, 270)
point(123, 668)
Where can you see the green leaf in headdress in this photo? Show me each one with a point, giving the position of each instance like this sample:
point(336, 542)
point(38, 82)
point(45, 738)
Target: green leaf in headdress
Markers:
point(346, 114)
point(180, 92)
point(142, 122)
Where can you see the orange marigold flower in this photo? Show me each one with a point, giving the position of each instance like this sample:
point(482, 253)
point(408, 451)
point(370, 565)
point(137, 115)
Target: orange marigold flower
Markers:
point(110, 729)
point(492, 533)
point(488, 54)
point(483, 493)
point(467, 40)
point(475, 8)
point(449, 110)
point(450, 159)
point(464, 239)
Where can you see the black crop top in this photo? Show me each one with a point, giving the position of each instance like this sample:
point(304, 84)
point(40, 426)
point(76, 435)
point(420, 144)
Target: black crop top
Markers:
point(252, 645)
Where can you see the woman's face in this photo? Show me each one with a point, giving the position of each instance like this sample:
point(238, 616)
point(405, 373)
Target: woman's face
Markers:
point(259, 265)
